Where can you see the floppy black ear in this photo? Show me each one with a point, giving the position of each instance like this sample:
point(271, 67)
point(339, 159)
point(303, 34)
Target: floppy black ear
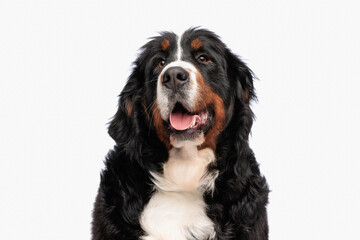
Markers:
point(120, 124)
point(124, 128)
point(243, 77)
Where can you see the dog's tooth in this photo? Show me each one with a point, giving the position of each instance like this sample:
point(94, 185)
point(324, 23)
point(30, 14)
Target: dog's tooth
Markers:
point(193, 123)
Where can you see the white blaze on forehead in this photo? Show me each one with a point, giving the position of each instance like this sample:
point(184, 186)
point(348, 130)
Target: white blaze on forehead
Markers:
point(179, 49)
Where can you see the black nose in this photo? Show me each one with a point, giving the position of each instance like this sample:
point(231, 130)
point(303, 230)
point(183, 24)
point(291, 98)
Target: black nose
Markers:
point(175, 77)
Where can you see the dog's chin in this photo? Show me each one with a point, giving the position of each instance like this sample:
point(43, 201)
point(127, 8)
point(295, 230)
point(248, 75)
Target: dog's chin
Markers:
point(184, 125)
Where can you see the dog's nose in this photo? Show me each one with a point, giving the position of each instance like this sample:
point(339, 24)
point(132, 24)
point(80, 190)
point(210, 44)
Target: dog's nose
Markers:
point(175, 77)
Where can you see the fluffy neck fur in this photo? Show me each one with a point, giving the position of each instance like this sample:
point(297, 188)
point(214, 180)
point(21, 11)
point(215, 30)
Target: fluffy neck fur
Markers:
point(177, 210)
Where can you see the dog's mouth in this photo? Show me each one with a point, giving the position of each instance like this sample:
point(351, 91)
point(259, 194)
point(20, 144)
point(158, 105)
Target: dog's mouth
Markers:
point(188, 124)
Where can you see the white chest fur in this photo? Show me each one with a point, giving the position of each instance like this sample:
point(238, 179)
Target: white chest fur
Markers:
point(177, 210)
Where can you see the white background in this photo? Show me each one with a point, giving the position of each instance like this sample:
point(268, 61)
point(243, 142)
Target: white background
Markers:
point(63, 63)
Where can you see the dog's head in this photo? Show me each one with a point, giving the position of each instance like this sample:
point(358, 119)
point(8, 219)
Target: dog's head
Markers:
point(184, 89)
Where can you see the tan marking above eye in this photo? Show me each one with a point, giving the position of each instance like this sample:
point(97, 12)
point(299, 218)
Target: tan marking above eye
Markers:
point(165, 45)
point(196, 44)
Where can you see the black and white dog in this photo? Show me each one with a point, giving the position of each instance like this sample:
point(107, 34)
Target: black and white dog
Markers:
point(182, 168)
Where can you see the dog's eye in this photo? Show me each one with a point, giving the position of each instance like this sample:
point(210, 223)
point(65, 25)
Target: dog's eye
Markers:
point(161, 63)
point(203, 58)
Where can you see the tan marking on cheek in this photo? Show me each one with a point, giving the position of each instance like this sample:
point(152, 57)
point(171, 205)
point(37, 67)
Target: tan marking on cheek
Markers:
point(206, 97)
point(165, 45)
point(196, 44)
point(159, 126)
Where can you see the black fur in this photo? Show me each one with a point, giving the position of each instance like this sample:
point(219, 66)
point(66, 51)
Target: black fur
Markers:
point(238, 204)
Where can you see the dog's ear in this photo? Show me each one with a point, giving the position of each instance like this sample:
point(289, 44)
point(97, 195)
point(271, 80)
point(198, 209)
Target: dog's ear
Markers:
point(125, 123)
point(243, 77)
point(119, 127)
point(242, 80)
point(124, 127)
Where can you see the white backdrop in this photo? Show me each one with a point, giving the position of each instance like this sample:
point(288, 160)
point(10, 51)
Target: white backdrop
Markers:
point(63, 63)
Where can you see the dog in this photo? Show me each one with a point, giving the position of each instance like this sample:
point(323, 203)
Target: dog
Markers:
point(182, 168)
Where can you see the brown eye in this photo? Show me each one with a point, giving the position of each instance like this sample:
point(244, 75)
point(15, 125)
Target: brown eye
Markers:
point(203, 58)
point(161, 63)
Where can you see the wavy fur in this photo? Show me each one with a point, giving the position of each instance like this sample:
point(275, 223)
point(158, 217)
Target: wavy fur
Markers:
point(237, 203)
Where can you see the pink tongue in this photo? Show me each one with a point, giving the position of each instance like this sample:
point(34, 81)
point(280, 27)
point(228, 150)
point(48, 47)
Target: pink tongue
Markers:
point(181, 121)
